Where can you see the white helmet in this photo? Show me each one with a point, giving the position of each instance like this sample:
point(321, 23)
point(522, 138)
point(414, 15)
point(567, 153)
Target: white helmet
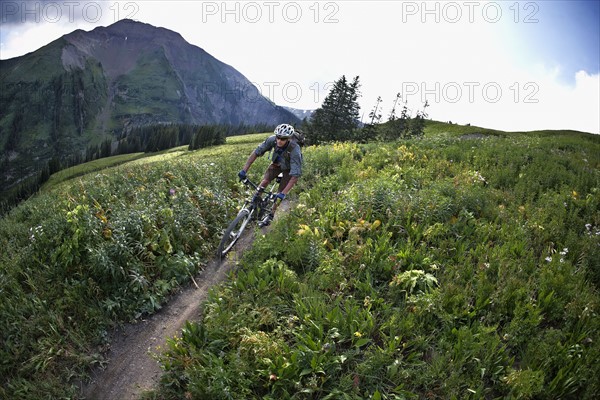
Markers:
point(284, 131)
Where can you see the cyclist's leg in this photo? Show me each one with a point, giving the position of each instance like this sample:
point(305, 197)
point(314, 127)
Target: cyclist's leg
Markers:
point(271, 173)
point(284, 180)
point(282, 184)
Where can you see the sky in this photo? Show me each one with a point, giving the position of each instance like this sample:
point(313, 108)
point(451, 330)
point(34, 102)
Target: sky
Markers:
point(509, 65)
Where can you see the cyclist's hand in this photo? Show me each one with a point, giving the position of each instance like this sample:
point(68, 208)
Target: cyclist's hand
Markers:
point(242, 175)
point(280, 196)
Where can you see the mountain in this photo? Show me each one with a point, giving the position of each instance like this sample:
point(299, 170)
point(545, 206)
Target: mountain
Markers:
point(87, 87)
point(300, 114)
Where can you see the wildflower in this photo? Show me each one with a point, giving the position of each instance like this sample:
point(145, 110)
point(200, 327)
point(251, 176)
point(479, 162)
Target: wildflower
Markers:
point(272, 377)
point(549, 259)
point(304, 229)
point(564, 252)
point(357, 334)
point(35, 232)
point(172, 192)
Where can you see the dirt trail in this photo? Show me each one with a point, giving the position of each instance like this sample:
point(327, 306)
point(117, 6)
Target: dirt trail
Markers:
point(131, 369)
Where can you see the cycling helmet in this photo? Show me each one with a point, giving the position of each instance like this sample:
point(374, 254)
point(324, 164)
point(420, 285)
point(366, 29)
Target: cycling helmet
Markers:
point(284, 131)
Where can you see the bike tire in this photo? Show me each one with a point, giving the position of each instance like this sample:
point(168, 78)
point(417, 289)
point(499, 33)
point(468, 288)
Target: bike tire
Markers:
point(233, 232)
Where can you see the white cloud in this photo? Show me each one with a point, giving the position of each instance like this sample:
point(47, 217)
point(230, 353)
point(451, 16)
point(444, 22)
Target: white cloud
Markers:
point(28, 25)
point(572, 107)
point(28, 37)
point(522, 102)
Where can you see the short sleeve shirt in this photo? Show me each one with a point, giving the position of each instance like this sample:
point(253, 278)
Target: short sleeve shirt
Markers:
point(293, 163)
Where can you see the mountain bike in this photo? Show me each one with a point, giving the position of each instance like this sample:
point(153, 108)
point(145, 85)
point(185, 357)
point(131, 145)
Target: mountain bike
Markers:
point(260, 207)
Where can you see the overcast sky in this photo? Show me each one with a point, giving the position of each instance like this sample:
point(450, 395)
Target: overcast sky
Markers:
point(510, 65)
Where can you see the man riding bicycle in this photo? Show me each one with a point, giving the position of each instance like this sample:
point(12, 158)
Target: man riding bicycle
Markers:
point(286, 158)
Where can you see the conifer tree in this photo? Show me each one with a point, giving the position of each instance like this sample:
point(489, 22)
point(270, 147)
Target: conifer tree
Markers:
point(338, 116)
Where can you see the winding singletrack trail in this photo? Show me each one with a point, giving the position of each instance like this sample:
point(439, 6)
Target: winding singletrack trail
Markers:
point(131, 368)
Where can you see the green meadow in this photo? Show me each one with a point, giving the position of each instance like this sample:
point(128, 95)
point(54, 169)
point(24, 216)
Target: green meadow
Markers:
point(464, 264)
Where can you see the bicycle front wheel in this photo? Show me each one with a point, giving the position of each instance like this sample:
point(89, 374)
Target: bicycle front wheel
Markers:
point(233, 232)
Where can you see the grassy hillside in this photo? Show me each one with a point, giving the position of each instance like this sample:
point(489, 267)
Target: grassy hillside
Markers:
point(462, 265)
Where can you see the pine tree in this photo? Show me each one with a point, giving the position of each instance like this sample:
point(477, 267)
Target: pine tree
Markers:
point(338, 116)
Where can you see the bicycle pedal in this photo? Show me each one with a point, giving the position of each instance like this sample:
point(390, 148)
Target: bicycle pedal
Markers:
point(266, 221)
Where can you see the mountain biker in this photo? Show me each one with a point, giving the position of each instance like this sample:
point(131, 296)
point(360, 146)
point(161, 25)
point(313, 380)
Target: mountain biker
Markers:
point(286, 158)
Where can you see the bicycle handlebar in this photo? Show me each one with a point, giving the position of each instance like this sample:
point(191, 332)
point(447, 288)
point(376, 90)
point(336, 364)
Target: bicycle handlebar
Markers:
point(269, 193)
point(247, 181)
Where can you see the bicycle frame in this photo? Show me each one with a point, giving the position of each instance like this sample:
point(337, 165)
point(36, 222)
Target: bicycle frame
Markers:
point(258, 202)
point(256, 208)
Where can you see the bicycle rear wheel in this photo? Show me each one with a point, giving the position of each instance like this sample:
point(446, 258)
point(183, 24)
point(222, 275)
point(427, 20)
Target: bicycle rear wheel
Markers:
point(233, 232)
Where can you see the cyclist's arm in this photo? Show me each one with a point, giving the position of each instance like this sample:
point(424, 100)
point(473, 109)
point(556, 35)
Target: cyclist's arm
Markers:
point(260, 150)
point(290, 185)
point(296, 162)
point(250, 160)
